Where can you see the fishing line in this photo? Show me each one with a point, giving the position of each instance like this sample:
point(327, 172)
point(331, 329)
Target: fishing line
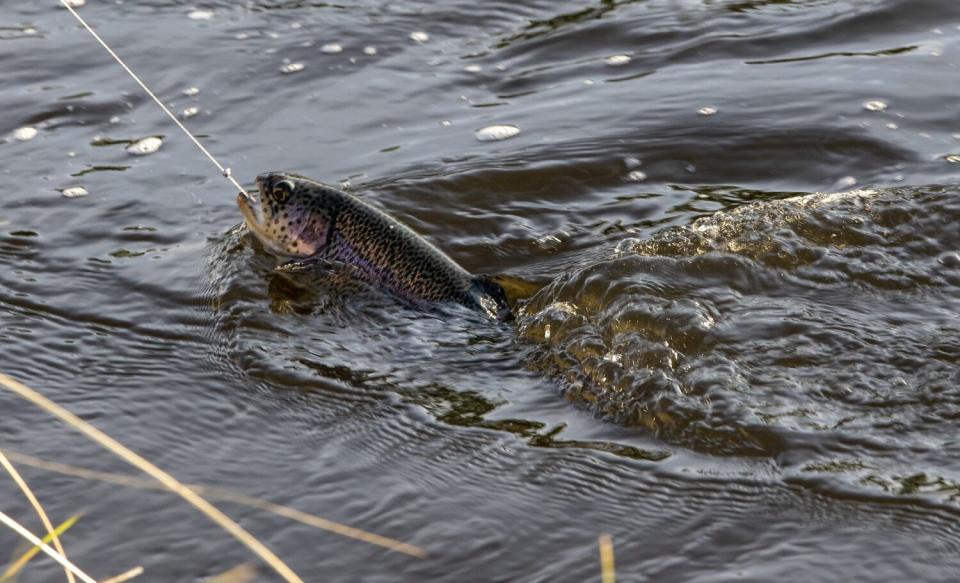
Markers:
point(224, 171)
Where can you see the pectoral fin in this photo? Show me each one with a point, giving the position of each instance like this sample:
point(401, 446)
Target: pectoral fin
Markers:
point(298, 265)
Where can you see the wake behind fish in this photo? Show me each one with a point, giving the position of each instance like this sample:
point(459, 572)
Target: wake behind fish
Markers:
point(821, 330)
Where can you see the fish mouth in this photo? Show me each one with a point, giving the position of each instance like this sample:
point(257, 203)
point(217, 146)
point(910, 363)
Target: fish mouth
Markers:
point(252, 214)
point(251, 207)
point(250, 199)
point(251, 204)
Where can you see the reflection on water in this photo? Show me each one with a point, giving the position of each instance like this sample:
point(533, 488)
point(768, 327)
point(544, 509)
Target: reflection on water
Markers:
point(733, 377)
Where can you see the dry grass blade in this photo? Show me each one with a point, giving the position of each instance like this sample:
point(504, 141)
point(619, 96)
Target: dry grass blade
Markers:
point(26, 557)
point(125, 576)
point(607, 572)
point(19, 529)
point(224, 494)
point(164, 478)
point(240, 574)
point(38, 508)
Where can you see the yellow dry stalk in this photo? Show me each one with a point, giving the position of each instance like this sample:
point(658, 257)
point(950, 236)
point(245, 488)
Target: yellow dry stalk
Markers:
point(137, 461)
point(125, 576)
point(244, 573)
point(607, 571)
point(50, 551)
point(38, 508)
point(17, 565)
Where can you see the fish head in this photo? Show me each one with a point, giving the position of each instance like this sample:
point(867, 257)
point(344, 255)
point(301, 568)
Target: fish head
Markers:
point(290, 215)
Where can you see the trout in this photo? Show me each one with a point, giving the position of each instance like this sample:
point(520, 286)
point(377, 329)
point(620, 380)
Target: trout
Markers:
point(308, 222)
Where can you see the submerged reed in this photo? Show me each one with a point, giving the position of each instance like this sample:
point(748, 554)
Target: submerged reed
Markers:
point(164, 478)
point(224, 494)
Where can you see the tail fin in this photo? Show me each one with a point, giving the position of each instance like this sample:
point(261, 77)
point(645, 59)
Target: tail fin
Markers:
point(491, 298)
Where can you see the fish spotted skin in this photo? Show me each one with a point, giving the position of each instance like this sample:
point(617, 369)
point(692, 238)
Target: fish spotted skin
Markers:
point(305, 219)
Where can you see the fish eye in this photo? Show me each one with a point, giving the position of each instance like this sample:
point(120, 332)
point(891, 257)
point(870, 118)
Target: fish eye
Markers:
point(282, 190)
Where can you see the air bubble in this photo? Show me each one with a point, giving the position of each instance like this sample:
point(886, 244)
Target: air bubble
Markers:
point(419, 37)
point(874, 105)
point(618, 60)
point(200, 15)
point(473, 68)
point(74, 192)
point(949, 259)
point(496, 132)
point(25, 133)
point(292, 68)
point(636, 176)
point(627, 246)
point(370, 50)
point(191, 91)
point(332, 48)
point(191, 111)
point(145, 146)
point(707, 110)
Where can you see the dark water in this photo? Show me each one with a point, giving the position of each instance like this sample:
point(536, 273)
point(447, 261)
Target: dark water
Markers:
point(734, 380)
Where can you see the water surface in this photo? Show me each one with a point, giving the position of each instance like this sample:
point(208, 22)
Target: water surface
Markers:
point(736, 378)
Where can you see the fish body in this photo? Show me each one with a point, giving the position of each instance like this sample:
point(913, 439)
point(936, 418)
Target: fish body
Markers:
point(306, 220)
